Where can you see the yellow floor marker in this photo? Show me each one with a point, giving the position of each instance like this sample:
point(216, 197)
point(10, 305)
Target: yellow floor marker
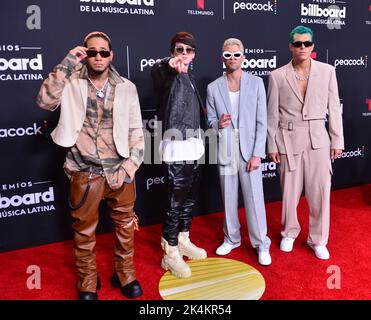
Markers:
point(214, 279)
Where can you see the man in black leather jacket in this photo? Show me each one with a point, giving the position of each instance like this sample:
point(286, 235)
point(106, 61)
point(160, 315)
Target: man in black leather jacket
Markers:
point(182, 115)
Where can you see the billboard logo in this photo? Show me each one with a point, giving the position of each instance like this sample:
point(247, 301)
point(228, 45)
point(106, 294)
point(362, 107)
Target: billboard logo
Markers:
point(21, 64)
point(19, 68)
point(27, 199)
point(35, 201)
point(259, 62)
point(110, 7)
point(332, 16)
point(129, 2)
point(314, 10)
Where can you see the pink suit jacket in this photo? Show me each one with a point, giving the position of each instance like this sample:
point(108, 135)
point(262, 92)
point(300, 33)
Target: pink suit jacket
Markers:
point(287, 107)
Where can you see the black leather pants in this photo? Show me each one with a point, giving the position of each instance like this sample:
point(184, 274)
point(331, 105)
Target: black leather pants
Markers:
point(183, 184)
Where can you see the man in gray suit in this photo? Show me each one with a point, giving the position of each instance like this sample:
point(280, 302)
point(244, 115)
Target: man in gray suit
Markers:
point(236, 109)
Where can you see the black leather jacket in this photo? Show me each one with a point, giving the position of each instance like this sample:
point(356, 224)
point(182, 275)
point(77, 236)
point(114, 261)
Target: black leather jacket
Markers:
point(178, 106)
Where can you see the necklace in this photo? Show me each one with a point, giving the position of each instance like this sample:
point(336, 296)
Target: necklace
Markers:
point(301, 78)
point(100, 93)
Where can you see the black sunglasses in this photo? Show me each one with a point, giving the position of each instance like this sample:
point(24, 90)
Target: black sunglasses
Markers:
point(298, 44)
point(93, 53)
point(188, 50)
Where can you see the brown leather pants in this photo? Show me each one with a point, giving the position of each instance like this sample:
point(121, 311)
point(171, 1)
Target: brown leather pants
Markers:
point(121, 206)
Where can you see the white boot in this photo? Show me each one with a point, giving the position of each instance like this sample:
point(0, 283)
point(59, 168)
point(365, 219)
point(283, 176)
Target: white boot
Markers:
point(188, 249)
point(173, 261)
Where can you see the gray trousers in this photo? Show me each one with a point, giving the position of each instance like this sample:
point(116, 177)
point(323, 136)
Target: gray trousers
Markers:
point(253, 197)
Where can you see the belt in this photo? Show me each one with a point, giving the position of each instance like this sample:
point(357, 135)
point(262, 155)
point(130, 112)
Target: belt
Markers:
point(97, 170)
point(290, 126)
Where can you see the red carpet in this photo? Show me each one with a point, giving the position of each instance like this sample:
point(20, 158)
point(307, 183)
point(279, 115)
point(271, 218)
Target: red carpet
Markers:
point(298, 275)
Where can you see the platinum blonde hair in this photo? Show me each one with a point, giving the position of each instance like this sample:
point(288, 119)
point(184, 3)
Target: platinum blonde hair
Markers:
point(232, 42)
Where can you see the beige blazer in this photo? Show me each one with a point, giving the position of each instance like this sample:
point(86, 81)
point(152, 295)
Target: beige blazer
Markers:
point(286, 107)
point(126, 113)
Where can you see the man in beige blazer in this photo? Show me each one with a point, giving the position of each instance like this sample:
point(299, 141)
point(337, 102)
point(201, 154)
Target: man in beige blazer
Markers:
point(101, 125)
point(302, 96)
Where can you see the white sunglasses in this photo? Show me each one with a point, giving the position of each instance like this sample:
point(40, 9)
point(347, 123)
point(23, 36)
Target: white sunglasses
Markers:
point(228, 55)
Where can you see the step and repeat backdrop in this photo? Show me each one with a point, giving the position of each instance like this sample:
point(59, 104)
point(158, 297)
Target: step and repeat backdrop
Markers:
point(36, 35)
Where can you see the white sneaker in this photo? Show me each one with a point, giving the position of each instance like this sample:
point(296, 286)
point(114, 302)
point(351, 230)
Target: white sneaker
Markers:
point(287, 244)
point(321, 252)
point(226, 248)
point(264, 258)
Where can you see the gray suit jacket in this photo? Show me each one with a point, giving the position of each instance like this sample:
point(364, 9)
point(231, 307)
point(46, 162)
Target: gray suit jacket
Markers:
point(252, 122)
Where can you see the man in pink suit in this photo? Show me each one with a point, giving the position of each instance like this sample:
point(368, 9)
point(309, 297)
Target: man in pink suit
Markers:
point(300, 95)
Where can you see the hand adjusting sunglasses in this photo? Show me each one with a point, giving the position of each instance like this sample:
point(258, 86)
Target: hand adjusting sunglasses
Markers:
point(188, 50)
point(298, 44)
point(228, 55)
point(93, 53)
